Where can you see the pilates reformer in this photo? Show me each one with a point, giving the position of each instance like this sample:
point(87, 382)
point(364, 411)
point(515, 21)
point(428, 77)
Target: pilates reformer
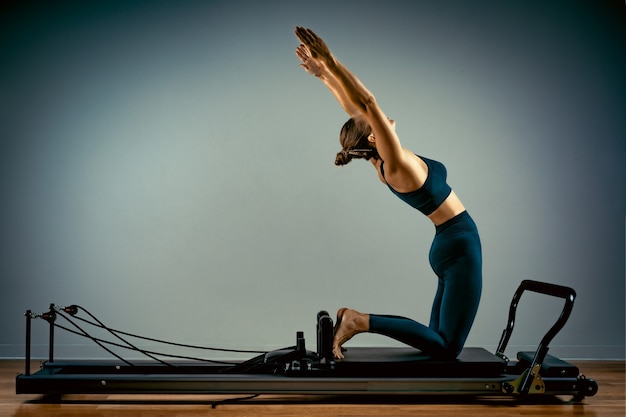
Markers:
point(296, 370)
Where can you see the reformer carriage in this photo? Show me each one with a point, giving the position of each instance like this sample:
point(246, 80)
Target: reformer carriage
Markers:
point(297, 370)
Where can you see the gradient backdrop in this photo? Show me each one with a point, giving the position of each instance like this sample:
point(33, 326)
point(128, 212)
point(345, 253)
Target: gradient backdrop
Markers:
point(168, 166)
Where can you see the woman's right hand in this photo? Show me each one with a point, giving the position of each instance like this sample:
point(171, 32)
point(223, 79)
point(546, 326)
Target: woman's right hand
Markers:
point(310, 65)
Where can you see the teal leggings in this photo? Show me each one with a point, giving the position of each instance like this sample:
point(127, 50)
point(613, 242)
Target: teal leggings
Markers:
point(455, 256)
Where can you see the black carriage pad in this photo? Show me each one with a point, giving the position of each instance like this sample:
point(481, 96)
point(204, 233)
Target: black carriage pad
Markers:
point(551, 366)
point(473, 362)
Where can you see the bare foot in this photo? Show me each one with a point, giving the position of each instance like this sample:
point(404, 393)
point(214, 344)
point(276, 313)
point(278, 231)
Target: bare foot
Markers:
point(349, 323)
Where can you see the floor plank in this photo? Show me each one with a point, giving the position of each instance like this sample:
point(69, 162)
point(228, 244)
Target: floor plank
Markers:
point(609, 402)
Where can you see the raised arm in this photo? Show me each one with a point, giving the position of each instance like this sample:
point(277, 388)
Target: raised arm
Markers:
point(319, 70)
point(356, 98)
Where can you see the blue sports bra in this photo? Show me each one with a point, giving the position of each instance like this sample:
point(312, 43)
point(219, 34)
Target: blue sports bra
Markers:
point(429, 196)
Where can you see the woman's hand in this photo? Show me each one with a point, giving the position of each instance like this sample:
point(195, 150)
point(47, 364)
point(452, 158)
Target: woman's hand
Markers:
point(316, 46)
point(310, 65)
point(317, 60)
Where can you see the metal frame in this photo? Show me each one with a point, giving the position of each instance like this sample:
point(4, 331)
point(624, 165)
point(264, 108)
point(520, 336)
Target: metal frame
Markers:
point(296, 370)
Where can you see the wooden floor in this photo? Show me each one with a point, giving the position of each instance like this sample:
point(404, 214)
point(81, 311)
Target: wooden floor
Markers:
point(609, 402)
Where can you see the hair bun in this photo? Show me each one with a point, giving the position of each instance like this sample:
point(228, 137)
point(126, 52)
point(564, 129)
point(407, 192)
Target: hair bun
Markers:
point(343, 158)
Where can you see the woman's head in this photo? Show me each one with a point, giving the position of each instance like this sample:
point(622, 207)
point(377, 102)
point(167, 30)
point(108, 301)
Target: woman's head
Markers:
point(355, 143)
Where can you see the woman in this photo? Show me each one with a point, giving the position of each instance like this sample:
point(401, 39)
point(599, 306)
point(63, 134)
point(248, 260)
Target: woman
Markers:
point(455, 254)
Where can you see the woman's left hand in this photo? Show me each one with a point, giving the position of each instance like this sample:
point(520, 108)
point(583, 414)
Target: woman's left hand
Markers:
point(318, 48)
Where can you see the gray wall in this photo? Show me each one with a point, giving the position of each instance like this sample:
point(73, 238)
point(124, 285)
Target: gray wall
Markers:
point(168, 166)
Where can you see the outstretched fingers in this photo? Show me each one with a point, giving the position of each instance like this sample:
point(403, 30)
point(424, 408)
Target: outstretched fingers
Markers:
point(302, 52)
point(310, 64)
point(305, 35)
point(314, 43)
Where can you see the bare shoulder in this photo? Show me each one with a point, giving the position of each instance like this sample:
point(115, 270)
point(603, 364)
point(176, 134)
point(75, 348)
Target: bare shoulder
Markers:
point(404, 177)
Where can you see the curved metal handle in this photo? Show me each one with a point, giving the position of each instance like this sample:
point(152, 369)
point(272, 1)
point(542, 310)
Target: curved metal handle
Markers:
point(543, 288)
point(548, 289)
point(568, 294)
